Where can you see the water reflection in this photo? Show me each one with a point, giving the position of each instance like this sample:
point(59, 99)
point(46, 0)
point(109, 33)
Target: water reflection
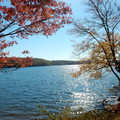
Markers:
point(53, 87)
point(83, 100)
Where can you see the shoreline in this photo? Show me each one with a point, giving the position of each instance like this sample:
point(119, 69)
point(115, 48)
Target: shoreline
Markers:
point(91, 115)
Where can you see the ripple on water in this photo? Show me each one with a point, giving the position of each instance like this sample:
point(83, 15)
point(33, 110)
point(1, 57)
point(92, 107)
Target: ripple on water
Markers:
point(52, 86)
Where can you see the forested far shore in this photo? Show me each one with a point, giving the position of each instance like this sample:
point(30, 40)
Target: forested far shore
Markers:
point(43, 62)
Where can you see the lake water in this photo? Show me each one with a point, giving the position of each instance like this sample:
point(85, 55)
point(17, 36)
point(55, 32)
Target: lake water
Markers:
point(21, 91)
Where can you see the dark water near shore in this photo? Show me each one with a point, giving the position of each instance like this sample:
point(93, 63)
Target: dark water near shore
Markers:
point(21, 91)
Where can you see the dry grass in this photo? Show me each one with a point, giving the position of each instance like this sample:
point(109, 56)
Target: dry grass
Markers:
point(92, 115)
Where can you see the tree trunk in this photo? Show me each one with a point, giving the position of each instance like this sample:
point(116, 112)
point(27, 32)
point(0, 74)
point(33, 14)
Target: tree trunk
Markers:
point(118, 67)
point(115, 74)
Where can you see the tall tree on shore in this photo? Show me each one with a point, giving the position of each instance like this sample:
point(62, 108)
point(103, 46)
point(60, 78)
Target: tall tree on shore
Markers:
point(23, 18)
point(101, 45)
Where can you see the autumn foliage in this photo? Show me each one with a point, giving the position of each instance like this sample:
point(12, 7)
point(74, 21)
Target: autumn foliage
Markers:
point(100, 45)
point(12, 61)
point(23, 18)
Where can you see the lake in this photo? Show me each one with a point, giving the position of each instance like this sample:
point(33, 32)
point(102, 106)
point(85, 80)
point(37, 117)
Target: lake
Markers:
point(21, 91)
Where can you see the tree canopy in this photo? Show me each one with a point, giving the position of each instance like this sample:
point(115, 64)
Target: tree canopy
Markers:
point(101, 38)
point(23, 18)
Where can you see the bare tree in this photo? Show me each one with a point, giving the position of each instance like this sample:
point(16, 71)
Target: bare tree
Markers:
point(102, 39)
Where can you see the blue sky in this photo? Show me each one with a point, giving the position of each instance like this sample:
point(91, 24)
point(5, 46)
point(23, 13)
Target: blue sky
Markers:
point(55, 47)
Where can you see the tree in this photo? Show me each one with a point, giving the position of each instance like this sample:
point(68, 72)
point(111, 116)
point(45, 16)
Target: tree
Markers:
point(12, 61)
point(23, 18)
point(101, 43)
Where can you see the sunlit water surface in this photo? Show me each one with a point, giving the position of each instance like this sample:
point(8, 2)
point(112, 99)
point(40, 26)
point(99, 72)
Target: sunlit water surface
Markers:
point(21, 91)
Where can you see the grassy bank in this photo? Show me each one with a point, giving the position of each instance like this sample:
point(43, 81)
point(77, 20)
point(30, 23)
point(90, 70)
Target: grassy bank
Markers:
point(91, 115)
point(102, 115)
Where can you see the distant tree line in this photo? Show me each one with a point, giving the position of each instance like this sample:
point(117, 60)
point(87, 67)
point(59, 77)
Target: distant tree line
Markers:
point(43, 62)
